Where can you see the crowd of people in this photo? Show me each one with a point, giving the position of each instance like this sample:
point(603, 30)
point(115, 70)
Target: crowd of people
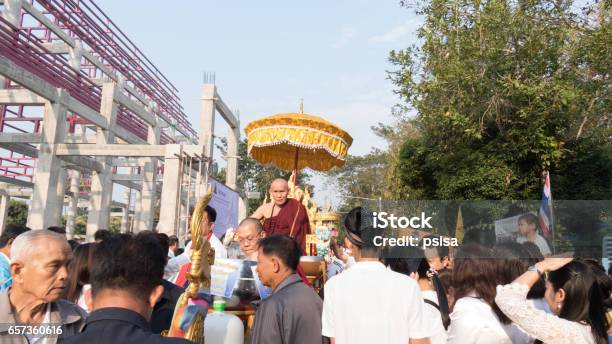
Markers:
point(123, 288)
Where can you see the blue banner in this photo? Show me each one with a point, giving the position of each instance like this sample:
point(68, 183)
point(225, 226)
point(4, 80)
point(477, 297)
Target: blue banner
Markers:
point(225, 202)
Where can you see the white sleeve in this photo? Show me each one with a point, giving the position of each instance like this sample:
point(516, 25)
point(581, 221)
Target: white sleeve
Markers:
point(417, 326)
point(467, 327)
point(175, 264)
point(327, 320)
point(512, 300)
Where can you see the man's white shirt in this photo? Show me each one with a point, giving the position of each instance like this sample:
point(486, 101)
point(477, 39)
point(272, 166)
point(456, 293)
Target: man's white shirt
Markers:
point(369, 303)
point(539, 241)
point(174, 264)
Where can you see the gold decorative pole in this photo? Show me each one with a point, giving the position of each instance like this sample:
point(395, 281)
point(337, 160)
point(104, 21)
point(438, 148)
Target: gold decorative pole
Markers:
point(198, 276)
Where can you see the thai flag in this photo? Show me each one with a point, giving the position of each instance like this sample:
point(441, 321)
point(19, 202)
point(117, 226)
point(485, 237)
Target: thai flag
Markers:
point(545, 214)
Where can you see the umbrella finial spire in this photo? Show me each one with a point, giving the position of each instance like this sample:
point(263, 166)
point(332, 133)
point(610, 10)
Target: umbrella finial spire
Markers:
point(301, 105)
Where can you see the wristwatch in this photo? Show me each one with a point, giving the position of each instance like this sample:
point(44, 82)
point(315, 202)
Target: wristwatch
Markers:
point(534, 267)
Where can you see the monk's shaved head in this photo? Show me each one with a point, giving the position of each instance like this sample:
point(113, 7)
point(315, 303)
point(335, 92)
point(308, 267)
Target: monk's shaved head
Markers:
point(251, 224)
point(249, 232)
point(279, 189)
point(279, 183)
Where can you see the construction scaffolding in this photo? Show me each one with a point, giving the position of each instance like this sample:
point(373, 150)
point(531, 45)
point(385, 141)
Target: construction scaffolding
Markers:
point(82, 108)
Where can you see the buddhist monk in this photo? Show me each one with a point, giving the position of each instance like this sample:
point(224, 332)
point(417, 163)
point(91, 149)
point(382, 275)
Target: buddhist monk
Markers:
point(284, 215)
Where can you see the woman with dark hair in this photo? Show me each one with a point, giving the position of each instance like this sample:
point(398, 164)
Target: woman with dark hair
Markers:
point(445, 277)
point(79, 290)
point(411, 261)
point(536, 293)
point(573, 294)
point(475, 318)
point(605, 286)
point(511, 259)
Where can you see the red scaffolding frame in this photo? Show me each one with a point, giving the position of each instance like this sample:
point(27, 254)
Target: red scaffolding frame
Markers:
point(81, 20)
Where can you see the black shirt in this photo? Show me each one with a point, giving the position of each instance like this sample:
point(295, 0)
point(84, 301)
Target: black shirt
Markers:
point(114, 325)
point(164, 308)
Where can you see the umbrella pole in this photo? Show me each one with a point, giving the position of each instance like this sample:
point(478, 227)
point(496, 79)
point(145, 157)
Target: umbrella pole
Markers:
point(295, 166)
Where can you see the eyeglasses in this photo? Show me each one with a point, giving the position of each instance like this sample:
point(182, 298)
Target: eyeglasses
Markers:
point(248, 239)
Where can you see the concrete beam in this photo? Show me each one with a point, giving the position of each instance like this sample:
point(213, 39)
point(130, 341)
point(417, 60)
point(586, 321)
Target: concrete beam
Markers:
point(79, 138)
point(12, 11)
point(129, 184)
point(20, 138)
point(47, 91)
point(127, 177)
point(21, 148)
point(134, 162)
point(82, 163)
point(20, 194)
point(20, 97)
point(127, 136)
point(137, 94)
point(48, 23)
point(87, 113)
point(110, 150)
point(16, 182)
point(225, 112)
point(139, 110)
point(96, 61)
point(57, 47)
point(26, 79)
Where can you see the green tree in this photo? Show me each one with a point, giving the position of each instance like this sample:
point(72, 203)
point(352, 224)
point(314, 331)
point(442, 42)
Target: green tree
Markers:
point(115, 225)
point(360, 177)
point(17, 213)
point(80, 225)
point(504, 91)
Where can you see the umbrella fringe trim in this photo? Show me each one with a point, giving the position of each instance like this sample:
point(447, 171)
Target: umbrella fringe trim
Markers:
point(301, 128)
point(299, 145)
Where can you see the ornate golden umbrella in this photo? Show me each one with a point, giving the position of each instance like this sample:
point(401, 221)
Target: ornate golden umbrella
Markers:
point(293, 141)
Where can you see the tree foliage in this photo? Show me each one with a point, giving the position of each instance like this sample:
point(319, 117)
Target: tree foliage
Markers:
point(17, 213)
point(505, 90)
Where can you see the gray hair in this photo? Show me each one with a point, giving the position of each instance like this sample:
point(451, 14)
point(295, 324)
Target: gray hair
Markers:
point(251, 221)
point(25, 243)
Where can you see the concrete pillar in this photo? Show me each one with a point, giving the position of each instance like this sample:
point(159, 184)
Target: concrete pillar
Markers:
point(75, 55)
point(243, 208)
point(149, 183)
point(232, 157)
point(100, 198)
point(46, 205)
point(4, 206)
point(183, 225)
point(169, 217)
point(75, 179)
point(137, 211)
point(12, 11)
point(75, 183)
point(125, 218)
point(207, 119)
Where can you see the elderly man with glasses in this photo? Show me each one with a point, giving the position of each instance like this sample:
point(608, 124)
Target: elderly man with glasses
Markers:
point(31, 310)
point(249, 232)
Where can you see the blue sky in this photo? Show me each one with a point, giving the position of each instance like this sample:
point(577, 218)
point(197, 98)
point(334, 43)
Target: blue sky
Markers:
point(269, 54)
